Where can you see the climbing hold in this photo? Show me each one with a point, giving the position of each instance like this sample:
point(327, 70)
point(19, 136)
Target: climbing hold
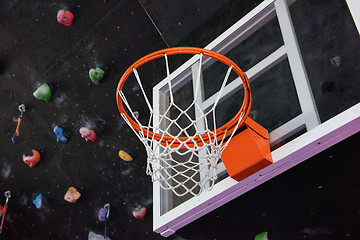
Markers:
point(262, 236)
point(96, 75)
point(88, 134)
point(336, 61)
point(65, 17)
point(38, 201)
point(94, 236)
point(139, 212)
point(125, 156)
point(32, 160)
point(136, 113)
point(72, 195)
point(1, 210)
point(43, 93)
point(59, 132)
point(104, 213)
point(7, 194)
point(16, 137)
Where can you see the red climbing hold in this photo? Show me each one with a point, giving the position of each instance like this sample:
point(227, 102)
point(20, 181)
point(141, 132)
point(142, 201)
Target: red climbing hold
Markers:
point(139, 213)
point(32, 160)
point(65, 17)
point(88, 134)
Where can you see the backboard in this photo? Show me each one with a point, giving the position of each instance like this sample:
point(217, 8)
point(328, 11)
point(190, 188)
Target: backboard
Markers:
point(304, 82)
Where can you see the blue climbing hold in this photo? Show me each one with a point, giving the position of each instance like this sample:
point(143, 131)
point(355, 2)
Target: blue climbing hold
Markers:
point(94, 236)
point(59, 132)
point(38, 201)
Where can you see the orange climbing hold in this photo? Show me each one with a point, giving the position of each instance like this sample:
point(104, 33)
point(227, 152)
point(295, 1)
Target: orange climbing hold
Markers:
point(72, 195)
point(125, 156)
point(32, 160)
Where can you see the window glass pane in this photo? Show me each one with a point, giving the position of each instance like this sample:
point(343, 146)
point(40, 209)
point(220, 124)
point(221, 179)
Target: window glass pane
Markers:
point(274, 101)
point(246, 54)
point(330, 47)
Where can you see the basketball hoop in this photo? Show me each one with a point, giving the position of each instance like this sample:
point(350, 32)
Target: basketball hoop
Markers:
point(199, 152)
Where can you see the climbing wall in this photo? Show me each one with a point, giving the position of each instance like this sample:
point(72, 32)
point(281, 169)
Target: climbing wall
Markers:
point(46, 57)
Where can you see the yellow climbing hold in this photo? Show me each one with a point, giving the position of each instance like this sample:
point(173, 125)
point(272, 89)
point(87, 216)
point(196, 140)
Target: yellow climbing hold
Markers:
point(125, 156)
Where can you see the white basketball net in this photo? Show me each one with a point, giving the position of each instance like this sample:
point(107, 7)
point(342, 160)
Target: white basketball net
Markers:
point(182, 169)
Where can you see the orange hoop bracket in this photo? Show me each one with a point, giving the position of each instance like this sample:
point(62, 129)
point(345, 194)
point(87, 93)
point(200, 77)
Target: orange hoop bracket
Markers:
point(226, 129)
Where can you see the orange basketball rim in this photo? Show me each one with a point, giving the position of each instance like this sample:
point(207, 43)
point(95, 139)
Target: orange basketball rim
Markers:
point(219, 133)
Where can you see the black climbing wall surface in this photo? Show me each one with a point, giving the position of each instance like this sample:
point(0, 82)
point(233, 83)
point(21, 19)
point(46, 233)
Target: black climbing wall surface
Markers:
point(36, 49)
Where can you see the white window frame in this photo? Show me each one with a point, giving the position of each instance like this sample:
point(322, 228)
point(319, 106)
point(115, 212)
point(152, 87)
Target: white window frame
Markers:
point(354, 7)
point(317, 138)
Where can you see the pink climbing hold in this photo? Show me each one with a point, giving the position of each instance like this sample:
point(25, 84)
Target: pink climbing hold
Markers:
point(65, 17)
point(139, 213)
point(32, 160)
point(88, 134)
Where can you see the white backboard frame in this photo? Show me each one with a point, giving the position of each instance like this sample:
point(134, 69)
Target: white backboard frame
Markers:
point(318, 137)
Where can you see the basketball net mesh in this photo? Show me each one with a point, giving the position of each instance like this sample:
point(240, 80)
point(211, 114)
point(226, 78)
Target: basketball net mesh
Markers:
point(178, 167)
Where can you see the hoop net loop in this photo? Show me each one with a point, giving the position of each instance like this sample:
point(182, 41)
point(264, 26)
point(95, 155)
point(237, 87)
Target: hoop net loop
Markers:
point(183, 162)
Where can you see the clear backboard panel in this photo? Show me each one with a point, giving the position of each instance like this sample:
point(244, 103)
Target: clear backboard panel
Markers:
point(331, 65)
point(304, 82)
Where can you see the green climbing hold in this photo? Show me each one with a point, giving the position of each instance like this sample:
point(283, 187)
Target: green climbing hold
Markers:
point(96, 75)
point(43, 93)
point(262, 236)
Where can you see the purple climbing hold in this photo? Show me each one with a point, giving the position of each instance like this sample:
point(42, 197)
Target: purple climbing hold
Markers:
point(59, 132)
point(102, 215)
